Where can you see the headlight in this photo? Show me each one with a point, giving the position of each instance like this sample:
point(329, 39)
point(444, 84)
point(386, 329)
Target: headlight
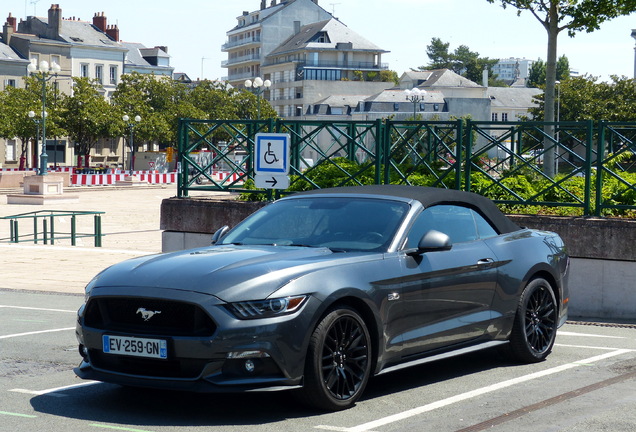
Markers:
point(266, 308)
point(89, 288)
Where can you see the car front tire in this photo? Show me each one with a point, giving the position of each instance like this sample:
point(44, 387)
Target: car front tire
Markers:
point(535, 325)
point(338, 361)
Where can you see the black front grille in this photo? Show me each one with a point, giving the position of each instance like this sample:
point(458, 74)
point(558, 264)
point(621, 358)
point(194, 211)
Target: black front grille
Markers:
point(179, 368)
point(127, 314)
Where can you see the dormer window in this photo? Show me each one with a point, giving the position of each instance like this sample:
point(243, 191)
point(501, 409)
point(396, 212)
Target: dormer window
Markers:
point(322, 37)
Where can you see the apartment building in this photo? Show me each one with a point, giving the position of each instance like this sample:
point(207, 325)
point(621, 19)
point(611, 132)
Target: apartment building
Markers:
point(82, 49)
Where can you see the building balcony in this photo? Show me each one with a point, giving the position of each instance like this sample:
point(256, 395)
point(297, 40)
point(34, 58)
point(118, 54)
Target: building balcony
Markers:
point(252, 58)
point(240, 43)
point(328, 64)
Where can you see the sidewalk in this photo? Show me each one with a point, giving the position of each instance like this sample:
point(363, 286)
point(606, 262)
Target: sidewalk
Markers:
point(130, 226)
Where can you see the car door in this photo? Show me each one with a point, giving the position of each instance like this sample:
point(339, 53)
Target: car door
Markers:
point(447, 295)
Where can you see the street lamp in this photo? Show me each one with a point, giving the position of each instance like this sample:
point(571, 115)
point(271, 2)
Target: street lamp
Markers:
point(43, 73)
point(259, 87)
point(415, 95)
point(131, 125)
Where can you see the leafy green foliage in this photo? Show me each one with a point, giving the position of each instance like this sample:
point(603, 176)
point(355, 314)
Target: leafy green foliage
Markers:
point(583, 98)
point(462, 61)
point(536, 74)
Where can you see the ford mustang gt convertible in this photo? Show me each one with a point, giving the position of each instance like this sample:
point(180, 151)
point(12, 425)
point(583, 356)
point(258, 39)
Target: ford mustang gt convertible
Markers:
point(322, 290)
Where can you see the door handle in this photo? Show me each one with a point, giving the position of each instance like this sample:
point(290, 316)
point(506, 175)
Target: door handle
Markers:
point(485, 261)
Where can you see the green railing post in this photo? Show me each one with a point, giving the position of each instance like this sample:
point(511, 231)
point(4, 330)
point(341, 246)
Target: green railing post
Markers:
point(35, 229)
point(98, 231)
point(45, 231)
point(52, 229)
point(600, 166)
point(461, 159)
point(73, 231)
point(14, 230)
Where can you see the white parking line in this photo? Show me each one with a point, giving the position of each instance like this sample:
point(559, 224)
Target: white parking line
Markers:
point(366, 427)
point(564, 333)
point(38, 309)
point(36, 332)
point(54, 391)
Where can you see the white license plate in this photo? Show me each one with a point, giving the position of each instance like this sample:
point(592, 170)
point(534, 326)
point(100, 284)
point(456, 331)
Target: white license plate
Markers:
point(134, 346)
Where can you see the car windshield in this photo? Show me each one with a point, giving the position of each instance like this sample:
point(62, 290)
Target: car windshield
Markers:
point(341, 224)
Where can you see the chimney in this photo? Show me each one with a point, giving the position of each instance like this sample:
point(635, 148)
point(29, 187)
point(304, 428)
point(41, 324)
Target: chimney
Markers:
point(273, 3)
point(263, 4)
point(296, 27)
point(100, 21)
point(55, 22)
point(484, 77)
point(8, 29)
point(12, 21)
point(163, 48)
point(113, 32)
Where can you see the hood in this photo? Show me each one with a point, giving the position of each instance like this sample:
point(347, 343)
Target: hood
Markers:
point(231, 273)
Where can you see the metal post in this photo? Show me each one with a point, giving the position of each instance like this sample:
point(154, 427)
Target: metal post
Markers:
point(98, 231)
point(45, 231)
point(44, 158)
point(52, 229)
point(73, 231)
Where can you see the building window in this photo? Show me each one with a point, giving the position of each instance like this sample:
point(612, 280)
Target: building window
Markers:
point(56, 59)
point(504, 117)
point(10, 154)
point(84, 70)
point(9, 83)
point(396, 106)
point(494, 116)
point(113, 74)
point(99, 73)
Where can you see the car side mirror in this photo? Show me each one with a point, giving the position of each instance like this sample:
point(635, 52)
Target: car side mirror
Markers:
point(433, 241)
point(219, 233)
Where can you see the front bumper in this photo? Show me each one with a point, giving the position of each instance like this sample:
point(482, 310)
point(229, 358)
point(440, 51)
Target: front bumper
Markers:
point(240, 355)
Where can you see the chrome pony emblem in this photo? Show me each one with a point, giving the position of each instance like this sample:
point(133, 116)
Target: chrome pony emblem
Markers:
point(146, 314)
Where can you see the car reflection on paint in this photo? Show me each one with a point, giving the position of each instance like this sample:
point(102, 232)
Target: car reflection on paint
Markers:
point(321, 290)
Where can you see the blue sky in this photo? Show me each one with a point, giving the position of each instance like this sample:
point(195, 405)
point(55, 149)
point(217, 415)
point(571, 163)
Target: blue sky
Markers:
point(194, 30)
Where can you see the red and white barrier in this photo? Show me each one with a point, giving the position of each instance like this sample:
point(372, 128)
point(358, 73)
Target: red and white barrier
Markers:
point(110, 179)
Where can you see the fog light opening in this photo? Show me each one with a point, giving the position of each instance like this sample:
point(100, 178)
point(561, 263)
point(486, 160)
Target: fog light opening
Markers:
point(249, 366)
point(83, 351)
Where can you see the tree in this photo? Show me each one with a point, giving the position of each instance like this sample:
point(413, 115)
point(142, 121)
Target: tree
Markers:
point(15, 122)
point(536, 75)
point(87, 116)
point(573, 16)
point(438, 54)
point(462, 61)
point(584, 98)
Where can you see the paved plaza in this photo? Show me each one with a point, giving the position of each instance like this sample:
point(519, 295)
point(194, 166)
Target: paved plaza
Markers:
point(130, 226)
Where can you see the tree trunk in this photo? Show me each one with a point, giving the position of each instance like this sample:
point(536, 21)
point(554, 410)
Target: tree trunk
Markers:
point(552, 27)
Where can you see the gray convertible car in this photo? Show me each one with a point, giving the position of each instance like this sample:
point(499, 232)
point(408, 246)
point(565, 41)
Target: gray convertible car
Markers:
point(322, 290)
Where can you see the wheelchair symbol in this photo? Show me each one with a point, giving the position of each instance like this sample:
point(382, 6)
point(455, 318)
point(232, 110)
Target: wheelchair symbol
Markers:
point(270, 157)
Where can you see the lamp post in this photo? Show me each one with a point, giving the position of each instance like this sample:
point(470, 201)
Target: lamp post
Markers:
point(415, 95)
point(131, 125)
point(259, 87)
point(37, 122)
point(43, 73)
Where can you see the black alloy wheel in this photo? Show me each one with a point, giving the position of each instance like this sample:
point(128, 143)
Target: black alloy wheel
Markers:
point(338, 362)
point(535, 326)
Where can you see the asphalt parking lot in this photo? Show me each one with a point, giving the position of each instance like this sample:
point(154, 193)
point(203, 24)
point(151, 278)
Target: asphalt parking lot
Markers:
point(587, 383)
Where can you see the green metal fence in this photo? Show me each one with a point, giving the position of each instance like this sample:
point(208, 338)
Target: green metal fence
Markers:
point(48, 233)
point(502, 160)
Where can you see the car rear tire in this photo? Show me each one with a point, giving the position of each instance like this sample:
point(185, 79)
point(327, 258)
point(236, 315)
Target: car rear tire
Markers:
point(338, 361)
point(535, 325)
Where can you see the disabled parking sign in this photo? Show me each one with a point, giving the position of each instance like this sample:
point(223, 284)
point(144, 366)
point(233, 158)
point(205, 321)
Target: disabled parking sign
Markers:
point(272, 154)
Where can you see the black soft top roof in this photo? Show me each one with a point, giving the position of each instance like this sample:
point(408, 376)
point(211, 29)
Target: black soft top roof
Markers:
point(430, 196)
